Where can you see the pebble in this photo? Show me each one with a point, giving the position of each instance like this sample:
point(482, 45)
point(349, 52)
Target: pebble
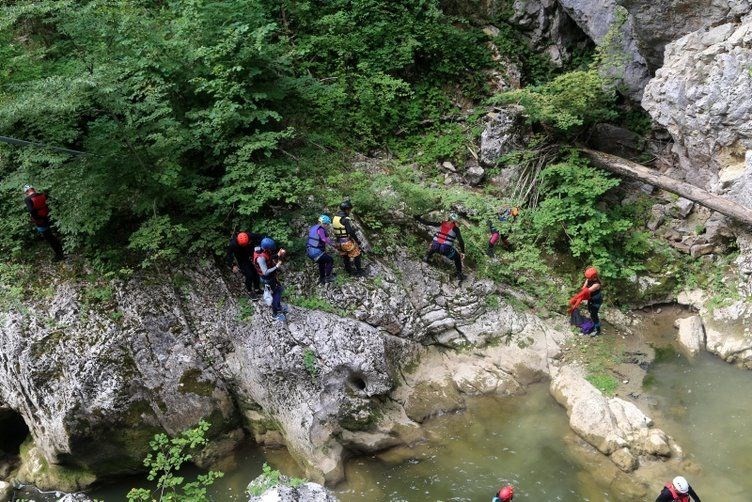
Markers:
point(625, 381)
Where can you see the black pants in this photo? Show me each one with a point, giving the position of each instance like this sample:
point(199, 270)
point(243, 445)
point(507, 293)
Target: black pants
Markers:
point(347, 262)
point(448, 251)
point(54, 243)
point(326, 264)
point(593, 306)
point(252, 282)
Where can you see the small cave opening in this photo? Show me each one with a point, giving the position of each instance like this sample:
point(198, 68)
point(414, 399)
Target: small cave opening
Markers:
point(13, 432)
point(357, 382)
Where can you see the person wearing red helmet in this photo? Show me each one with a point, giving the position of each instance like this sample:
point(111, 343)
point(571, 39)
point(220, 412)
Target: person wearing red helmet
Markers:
point(36, 204)
point(593, 285)
point(505, 494)
point(240, 250)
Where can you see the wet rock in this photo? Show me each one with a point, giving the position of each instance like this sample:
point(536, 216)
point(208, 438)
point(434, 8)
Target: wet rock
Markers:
point(75, 497)
point(503, 133)
point(432, 398)
point(728, 335)
point(285, 492)
point(6, 491)
point(612, 425)
point(657, 443)
point(691, 335)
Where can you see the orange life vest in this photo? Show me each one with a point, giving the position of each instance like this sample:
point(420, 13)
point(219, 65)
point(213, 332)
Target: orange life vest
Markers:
point(446, 233)
point(267, 256)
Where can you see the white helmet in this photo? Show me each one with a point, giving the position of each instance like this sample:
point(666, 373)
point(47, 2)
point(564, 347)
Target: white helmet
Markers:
point(680, 484)
point(27, 188)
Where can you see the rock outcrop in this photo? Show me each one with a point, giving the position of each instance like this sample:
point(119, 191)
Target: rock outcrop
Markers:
point(615, 427)
point(700, 95)
point(691, 335)
point(287, 491)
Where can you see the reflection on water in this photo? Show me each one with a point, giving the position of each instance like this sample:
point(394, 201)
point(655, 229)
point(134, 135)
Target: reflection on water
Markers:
point(706, 405)
point(469, 455)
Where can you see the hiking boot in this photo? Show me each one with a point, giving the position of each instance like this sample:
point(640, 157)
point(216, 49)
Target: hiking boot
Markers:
point(254, 296)
point(330, 278)
point(285, 308)
point(279, 316)
point(460, 277)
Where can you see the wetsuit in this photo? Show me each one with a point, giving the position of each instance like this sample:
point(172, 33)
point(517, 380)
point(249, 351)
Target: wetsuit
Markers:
point(667, 496)
point(444, 242)
point(347, 242)
point(316, 251)
point(36, 204)
point(243, 255)
point(267, 266)
point(594, 303)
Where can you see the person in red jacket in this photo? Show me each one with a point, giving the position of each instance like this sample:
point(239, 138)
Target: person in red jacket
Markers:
point(36, 204)
point(445, 241)
point(677, 490)
point(505, 494)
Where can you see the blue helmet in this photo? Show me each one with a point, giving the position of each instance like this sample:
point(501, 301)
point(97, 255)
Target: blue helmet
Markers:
point(267, 243)
point(325, 220)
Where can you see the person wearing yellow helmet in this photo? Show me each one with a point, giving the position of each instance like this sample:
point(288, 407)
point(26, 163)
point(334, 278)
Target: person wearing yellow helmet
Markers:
point(499, 230)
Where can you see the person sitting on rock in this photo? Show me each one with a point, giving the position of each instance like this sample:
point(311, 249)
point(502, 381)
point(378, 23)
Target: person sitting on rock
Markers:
point(318, 239)
point(505, 494)
point(240, 250)
point(348, 243)
point(677, 490)
point(593, 285)
point(506, 217)
point(444, 241)
point(36, 204)
point(268, 264)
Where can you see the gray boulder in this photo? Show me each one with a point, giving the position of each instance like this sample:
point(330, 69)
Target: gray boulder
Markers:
point(284, 491)
point(691, 335)
point(503, 133)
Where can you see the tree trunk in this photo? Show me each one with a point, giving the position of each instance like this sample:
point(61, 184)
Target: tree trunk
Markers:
point(624, 167)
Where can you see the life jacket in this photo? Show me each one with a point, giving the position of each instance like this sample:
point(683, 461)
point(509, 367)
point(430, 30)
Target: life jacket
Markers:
point(340, 231)
point(314, 241)
point(267, 256)
point(681, 497)
point(40, 209)
point(446, 233)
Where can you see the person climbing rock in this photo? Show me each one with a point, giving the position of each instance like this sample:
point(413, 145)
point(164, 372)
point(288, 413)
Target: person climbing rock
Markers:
point(444, 241)
point(594, 288)
point(36, 203)
point(318, 239)
point(679, 490)
point(240, 259)
point(268, 264)
point(505, 494)
point(499, 231)
point(347, 239)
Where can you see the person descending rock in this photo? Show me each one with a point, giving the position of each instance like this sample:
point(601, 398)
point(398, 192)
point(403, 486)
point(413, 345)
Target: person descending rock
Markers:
point(240, 250)
point(593, 285)
point(678, 489)
point(268, 264)
point(444, 242)
point(347, 239)
point(36, 203)
point(505, 494)
point(318, 239)
point(499, 231)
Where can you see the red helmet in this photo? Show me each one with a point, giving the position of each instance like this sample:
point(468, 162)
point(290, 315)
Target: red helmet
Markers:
point(591, 273)
point(506, 493)
point(243, 238)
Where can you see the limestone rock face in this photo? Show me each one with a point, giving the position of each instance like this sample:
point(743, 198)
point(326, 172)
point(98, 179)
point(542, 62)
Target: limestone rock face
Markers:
point(700, 95)
point(501, 135)
point(692, 335)
point(549, 28)
point(283, 492)
point(657, 23)
point(612, 425)
point(604, 21)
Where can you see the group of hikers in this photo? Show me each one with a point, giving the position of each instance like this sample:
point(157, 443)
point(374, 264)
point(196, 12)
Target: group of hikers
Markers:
point(677, 490)
point(257, 258)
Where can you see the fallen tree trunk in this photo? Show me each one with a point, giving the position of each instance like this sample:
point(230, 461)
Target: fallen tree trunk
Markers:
point(624, 167)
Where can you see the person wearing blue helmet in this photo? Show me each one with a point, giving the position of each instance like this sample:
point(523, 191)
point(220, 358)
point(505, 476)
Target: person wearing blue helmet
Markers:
point(318, 239)
point(268, 263)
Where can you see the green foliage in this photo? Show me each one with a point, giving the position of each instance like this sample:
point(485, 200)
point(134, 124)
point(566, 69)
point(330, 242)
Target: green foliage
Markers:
point(572, 216)
point(270, 478)
point(164, 462)
point(569, 101)
point(245, 309)
point(310, 363)
point(604, 382)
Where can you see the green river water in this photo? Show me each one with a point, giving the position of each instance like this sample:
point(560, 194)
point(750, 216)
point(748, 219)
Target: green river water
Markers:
point(706, 405)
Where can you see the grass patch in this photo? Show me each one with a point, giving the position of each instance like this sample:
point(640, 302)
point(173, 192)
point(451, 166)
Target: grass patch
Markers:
point(604, 382)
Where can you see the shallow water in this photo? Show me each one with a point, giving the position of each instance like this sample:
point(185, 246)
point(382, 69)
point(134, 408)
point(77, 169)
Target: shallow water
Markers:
point(705, 404)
